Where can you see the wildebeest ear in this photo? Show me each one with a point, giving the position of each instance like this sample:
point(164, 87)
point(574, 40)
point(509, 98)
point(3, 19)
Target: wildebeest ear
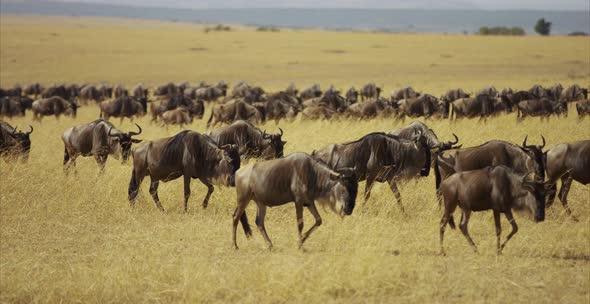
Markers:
point(284, 142)
point(136, 140)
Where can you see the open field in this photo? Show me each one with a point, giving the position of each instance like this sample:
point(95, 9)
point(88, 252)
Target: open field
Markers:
point(75, 239)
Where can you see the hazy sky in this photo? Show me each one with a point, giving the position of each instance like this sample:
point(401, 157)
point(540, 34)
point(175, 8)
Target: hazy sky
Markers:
point(426, 4)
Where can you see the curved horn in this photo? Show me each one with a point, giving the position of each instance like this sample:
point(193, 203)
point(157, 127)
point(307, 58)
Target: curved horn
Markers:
point(111, 135)
point(525, 178)
point(281, 131)
point(31, 130)
point(136, 133)
point(456, 139)
point(524, 142)
point(543, 145)
point(14, 131)
point(264, 135)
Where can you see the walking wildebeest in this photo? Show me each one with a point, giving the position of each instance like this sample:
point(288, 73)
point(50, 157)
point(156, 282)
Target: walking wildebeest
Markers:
point(454, 94)
point(297, 178)
point(188, 154)
point(416, 127)
point(235, 110)
point(493, 188)
point(480, 105)
point(99, 139)
point(179, 116)
point(380, 157)
point(352, 96)
point(370, 90)
point(543, 107)
point(522, 159)
point(425, 105)
point(583, 108)
point(370, 108)
point(570, 161)
point(54, 106)
point(311, 92)
point(404, 93)
point(574, 93)
point(123, 106)
point(14, 143)
point(251, 141)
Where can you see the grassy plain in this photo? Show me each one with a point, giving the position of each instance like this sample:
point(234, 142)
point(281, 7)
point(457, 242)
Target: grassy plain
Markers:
point(74, 238)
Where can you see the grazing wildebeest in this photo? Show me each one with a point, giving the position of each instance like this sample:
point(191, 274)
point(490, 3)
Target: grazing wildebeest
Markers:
point(296, 178)
point(315, 112)
point(122, 107)
point(179, 116)
point(583, 108)
point(493, 188)
point(574, 93)
point(209, 93)
point(11, 106)
point(370, 90)
point(380, 157)
point(404, 93)
point(188, 154)
point(14, 143)
point(570, 161)
point(417, 127)
point(34, 89)
point(292, 90)
point(281, 105)
point(99, 139)
point(490, 91)
point(480, 105)
point(311, 92)
point(522, 159)
point(352, 96)
point(139, 91)
point(235, 110)
point(251, 141)
point(454, 94)
point(54, 106)
point(425, 105)
point(538, 91)
point(370, 108)
point(543, 107)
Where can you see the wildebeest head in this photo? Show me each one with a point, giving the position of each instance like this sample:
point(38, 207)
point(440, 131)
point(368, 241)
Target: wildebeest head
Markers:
point(274, 145)
point(536, 153)
point(23, 140)
point(422, 141)
point(343, 194)
point(536, 202)
point(125, 140)
point(75, 107)
point(229, 163)
point(449, 144)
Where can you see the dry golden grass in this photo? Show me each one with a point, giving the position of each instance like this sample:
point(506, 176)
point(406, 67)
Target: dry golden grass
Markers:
point(74, 238)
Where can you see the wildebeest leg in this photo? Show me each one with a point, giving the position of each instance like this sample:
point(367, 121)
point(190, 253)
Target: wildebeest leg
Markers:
point(368, 187)
point(101, 159)
point(463, 226)
point(122, 117)
point(238, 213)
point(396, 193)
point(299, 213)
point(512, 233)
point(318, 221)
point(566, 183)
point(551, 195)
point(154, 192)
point(210, 189)
point(260, 214)
point(499, 230)
point(187, 191)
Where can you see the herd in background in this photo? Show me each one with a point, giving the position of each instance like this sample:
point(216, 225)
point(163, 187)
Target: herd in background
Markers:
point(181, 103)
point(496, 175)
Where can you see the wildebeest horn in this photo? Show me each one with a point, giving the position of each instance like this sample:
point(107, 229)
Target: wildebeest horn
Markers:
point(31, 130)
point(543, 145)
point(14, 131)
point(111, 135)
point(525, 178)
point(456, 139)
point(136, 133)
point(281, 131)
point(264, 135)
point(524, 142)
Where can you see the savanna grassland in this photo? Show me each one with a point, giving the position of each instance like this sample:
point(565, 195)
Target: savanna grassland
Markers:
point(74, 238)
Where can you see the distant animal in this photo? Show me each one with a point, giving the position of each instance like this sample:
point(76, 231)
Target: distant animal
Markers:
point(188, 154)
point(454, 94)
point(540, 107)
point(209, 93)
point(370, 109)
point(98, 139)
point(120, 91)
point(251, 141)
point(416, 128)
point(179, 116)
point(370, 90)
point(490, 91)
point(123, 107)
point(352, 96)
point(296, 178)
point(492, 188)
point(570, 162)
point(13, 143)
point(404, 93)
point(311, 92)
point(292, 90)
point(316, 112)
point(480, 105)
point(139, 91)
point(54, 106)
point(538, 91)
point(34, 89)
point(583, 108)
point(11, 106)
point(424, 105)
point(235, 110)
point(574, 93)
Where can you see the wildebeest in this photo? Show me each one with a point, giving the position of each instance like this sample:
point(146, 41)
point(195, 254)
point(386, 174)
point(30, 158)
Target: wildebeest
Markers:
point(370, 90)
point(480, 105)
point(417, 127)
point(583, 108)
point(34, 89)
point(380, 157)
point(15, 91)
point(251, 141)
point(11, 106)
point(296, 178)
point(99, 139)
point(179, 116)
point(234, 110)
point(522, 159)
point(292, 90)
point(574, 93)
point(370, 108)
point(490, 91)
point(493, 188)
point(14, 143)
point(139, 91)
point(404, 93)
point(425, 105)
point(188, 154)
point(352, 96)
point(54, 106)
point(168, 89)
point(120, 91)
point(281, 105)
point(454, 94)
point(68, 92)
point(540, 107)
point(209, 93)
point(568, 161)
point(538, 91)
point(315, 112)
point(554, 92)
point(122, 107)
point(311, 92)
point(249, 93)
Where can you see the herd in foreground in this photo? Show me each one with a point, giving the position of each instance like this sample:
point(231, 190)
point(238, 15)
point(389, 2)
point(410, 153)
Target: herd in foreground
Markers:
point(181, 103)
point(496, 175)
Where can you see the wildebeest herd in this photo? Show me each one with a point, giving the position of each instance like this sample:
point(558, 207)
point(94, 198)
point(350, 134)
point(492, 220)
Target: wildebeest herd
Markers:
point(496, 175)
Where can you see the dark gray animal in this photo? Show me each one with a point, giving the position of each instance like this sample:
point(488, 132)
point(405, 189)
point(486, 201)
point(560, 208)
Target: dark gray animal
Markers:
point(54, 106)
point(404, 93)
point(352, 96)
point(13, 143)
point(583, 108)
point(416, 128)
point(574, 93)
point(251, 141)
point(370, 90)
point(311, 92)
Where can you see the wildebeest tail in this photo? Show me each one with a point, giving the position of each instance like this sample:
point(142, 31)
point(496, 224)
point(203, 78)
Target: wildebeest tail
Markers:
point(437, 175)
point(245, 225)
point(210, 119)
point(133, 186)
point(452, 222)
